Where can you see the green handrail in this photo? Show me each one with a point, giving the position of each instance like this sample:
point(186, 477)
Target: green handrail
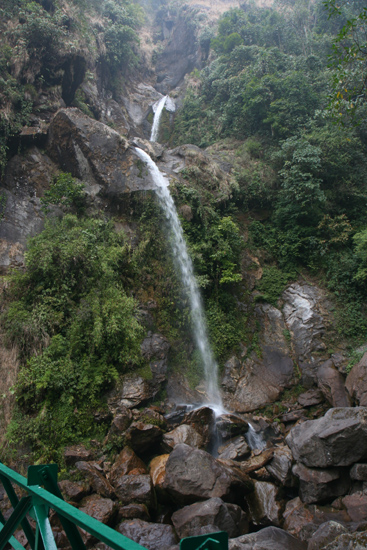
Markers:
point(39, 500)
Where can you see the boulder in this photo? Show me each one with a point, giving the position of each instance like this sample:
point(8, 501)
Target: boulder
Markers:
point(235, 449)
point(326, 533)
point(337, 439)
point(193, 475)
point(280, 466)
point(141, 436)
point(77, 453)
point(270, 538)
point(182, 434)
point(102, 509)
point(256, 461)
point(133, 511)
point(317, 485)
point(203, 422)
point(126, 462)
point(190, 520)
point(331, 383)
point(98, 482)
point(356, 382)
point(230, 425)
point(311, 398)
point(121, 421)
point(263, 505)
point(359, 472)
point(356, 506)
point(135, 488)
point(158, 473)
point(135, 391)
point(303, 520)
point(96, 154)
point(73, 491)
point(153, 536)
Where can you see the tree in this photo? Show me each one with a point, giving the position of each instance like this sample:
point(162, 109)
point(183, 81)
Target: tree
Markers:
point(348, 58)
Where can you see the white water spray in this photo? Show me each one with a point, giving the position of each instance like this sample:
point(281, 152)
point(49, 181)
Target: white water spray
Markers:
point(255, 439)
point(186, 272)
point(157, 118)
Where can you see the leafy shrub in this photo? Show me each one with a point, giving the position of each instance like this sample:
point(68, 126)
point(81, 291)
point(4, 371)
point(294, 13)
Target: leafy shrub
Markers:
point(272, 284)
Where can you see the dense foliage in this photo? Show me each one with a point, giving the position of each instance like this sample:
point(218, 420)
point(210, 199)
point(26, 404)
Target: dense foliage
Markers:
point(270, 87)
point(73, 318)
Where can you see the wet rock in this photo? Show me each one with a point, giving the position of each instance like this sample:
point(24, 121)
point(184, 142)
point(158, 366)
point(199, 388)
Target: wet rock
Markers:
point(356, 506)
point(310, 398)
point(138, 102)
point(280, 466)
point(231, 374)
point(135, 488)
point(77, 453)
point(135, 391)
point(133, 511)
point(154, 536)
point(359, 472)
point(158, 474)
point(193, 475)
point(305, 320)
point(317, 485)
point(302, 520)
point(263, 504)
point(331, 383)
point(256, 461)
point(336, 439)
point(203, 422)
point(126, 463)
point(182, 434)
point(98, 482)
point(101, 509)
point(73, 491)
point(262, 380)
point(326, 533)
point(190, 520)
point(141, 436)
point(155, 350)
point(356, 382)
point(270, 538)
point(236, 449)
point(230, 425)
point(96, 154)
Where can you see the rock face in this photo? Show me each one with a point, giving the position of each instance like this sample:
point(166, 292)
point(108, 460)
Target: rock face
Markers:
point(326, 533)
point(261, 381)
point(336, 439)
point(264, 507)
point(96, 154)
point(182, 434)
point(193, 475)
point(356, 382)
point(190, 520)
point(305, 320)
point(320, 485)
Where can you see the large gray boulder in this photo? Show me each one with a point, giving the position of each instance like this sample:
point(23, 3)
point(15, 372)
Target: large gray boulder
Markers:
point(190, 520)
point(318, 485)
point(96, 154)
point(264, 507)
point(326, 533)
point(337, 439)
point(280, 466)
point(193, 475)
point(331, 383)
point(270, 538)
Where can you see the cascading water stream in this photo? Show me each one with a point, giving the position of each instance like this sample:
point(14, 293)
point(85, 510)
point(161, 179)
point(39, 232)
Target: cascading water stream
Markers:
point(157, 118)
point(186, 272)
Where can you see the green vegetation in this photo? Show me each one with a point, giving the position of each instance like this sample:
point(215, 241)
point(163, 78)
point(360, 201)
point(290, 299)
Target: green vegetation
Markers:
point(73, 318)
point(270, 88)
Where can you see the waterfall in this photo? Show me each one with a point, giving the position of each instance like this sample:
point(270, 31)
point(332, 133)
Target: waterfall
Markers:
point(255, 439)
point(186, 273)
point(157, 118)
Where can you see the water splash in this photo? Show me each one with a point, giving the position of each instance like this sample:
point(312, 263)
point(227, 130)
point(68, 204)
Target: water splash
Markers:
point(255, 439)
point(186, 273)
point(157, 118)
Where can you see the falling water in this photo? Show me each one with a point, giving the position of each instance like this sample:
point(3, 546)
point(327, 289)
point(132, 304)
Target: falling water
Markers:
point(157, 118)
point(255, 439)
point(186, 272)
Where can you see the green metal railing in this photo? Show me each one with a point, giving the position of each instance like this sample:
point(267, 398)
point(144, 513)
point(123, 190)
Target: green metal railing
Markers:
point(38, 501)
